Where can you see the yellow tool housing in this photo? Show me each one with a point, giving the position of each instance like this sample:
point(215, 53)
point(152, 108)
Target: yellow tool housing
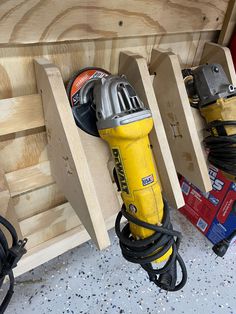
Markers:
point(222, 110)
point(136, 170)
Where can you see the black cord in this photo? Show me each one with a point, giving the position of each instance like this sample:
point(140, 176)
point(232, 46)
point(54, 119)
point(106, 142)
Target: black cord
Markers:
point(222, 147)
point(9, 258)
point(145, 251)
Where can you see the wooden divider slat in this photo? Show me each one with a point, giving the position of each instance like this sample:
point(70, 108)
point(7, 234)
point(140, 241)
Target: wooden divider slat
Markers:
point(66, 153)
point(29, 179)
point(49, 224)
point(135, 69)
point(56, 246)
point(178, 119)
point(37, 201)
point(20, 114)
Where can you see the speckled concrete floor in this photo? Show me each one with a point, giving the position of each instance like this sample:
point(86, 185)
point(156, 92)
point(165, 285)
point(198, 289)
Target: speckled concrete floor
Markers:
point(85, 280)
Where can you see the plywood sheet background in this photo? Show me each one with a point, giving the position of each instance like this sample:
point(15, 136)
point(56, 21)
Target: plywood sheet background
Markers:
point(31, 21)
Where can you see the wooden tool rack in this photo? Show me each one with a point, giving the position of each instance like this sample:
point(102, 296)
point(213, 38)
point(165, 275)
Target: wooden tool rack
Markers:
point(55, 183)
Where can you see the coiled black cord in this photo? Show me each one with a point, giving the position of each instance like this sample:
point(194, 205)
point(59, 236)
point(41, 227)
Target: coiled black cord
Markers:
point(8, 259)
point(145, 251)
point(222, 147)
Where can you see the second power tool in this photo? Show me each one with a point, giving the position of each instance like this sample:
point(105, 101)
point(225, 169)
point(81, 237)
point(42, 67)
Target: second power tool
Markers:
point(210, 91)
point(108, 106)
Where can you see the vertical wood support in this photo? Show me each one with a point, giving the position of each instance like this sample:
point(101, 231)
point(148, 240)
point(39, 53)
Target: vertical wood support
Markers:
point(178, 119)
point(66, 154)
point(134, 67)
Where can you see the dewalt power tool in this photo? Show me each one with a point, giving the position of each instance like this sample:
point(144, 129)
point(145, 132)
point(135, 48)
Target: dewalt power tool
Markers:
point(111, 104)
point(210, 91)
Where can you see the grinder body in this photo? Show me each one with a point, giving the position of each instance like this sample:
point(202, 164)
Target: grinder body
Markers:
point(210, 91)
point(217, 97)
point(127, 135)
point(121, 119)
point(224, 109)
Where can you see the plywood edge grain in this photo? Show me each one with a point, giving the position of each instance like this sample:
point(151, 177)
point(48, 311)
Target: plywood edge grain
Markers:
point(134, 67)
point(66, 153)
point(178, 119)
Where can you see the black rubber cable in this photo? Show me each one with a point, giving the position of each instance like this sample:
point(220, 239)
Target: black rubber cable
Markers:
point(8, 259)
point(222, 147)
point(145, 251)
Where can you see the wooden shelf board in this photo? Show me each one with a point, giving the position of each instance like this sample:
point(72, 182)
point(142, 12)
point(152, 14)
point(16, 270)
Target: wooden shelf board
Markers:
point(56, 246)
point(49, 224)
point(29, 179)
point(20, 114)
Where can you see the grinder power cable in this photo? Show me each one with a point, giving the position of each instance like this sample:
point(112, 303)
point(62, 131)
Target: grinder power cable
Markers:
point(108, 106)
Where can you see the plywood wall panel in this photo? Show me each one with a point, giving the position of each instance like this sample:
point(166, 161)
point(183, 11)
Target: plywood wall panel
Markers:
point(22, 150)
point(17, 75)
point(38, 201)
point(32, 21)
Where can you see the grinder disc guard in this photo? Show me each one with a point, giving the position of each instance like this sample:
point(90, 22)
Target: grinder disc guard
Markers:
point(83, 108)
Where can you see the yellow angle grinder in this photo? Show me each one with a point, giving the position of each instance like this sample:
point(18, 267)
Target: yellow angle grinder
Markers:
point(108, 106)
point(210, 91)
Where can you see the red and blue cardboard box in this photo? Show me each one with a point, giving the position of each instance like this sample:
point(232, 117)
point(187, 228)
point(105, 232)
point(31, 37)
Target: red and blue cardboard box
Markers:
point(213, 213)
